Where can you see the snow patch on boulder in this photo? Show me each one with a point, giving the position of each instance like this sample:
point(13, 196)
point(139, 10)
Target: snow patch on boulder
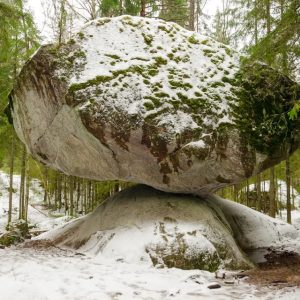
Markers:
point(253, 229)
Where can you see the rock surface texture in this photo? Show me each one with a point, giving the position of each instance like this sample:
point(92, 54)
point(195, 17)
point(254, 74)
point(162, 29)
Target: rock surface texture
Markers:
point(146, 101)
point(144, 225)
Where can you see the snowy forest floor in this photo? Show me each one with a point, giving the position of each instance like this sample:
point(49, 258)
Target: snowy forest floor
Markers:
point(55, 274)
point(46, 272)
point(280, 269)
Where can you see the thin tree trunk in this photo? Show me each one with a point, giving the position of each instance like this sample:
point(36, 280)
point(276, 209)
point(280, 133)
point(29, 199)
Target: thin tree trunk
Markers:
point(81, 195)
point(56, 192)
point(117, 187)
point(46, 186)
point(258, 189)
point(89, 197)
point(27, 191)
point(255, 24)
point(293, 194)
point(235, 192)
point(284, 48)
point(272, 193)
point(276, 195)
point(247, 192)
point(143, 8)
point(268, 10)
point(121, 7)
point(11, 178)
point(85, 197)
point(62, 21)
point(59, 187)
point(288, 190)
point(65, 195)
point(197, 14)
point(192, 15)
point(22, 183)
point(71, 187)
point(78, 193)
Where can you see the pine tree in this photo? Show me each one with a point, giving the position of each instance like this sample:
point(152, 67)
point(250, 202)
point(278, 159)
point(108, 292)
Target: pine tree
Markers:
point(175, 11)
point(19, 39)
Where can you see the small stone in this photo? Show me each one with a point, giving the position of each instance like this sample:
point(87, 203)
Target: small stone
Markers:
point(159, 266)
point(214, 286)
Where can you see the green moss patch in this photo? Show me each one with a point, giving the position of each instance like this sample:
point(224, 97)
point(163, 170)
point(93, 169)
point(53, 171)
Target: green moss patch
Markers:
point(148, 38)
point(193, 40)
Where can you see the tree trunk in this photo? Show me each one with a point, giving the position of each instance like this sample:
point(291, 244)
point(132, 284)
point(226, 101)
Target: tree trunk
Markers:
point(255, 23)
point(117, 187)
point(85, 197)
point(235, 192)
point(71, 187)
point(272, 193)
point(192, 15)
point(268, 11)
point(62, 21)
point(143, 8)
point(258, 189)
point(293, 194)
point(285, 67)
point(78, 193)
point(59, 179)
point(247, 192)
point(288, 190)
point(121, 7)
point(46, 186)
point(11, 178)
point(22, 183)
point(27, 191)
point(65, 195)
point(89, 196)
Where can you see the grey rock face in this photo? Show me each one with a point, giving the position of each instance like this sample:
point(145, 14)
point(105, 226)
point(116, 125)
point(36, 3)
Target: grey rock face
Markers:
point(146, 101)
point(144, 225)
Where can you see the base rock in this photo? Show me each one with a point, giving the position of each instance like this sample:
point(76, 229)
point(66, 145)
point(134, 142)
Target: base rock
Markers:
point(142, 224)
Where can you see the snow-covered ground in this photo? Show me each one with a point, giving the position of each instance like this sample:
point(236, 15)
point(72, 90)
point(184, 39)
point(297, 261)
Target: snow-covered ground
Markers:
point(36, 215)
point(54, 274)
point(280, 191)
point(26, 274)
point(295, 217)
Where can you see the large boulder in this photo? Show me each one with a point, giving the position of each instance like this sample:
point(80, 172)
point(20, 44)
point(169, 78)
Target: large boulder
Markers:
point(147, 101)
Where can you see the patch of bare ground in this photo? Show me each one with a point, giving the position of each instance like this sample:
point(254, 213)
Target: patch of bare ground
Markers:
point(281, 270)
point(39, 244)
point(48, 246)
